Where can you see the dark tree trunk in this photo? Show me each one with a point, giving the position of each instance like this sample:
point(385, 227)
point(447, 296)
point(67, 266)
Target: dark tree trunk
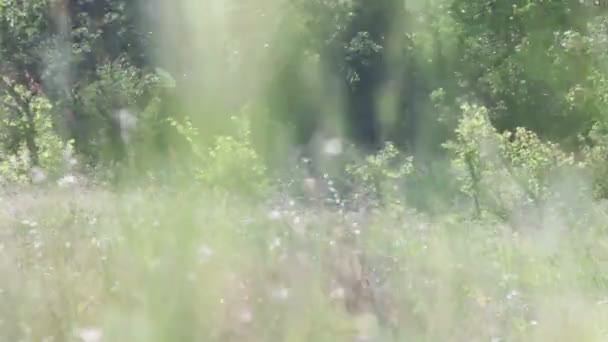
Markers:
point(30, 137)
point(362, 116)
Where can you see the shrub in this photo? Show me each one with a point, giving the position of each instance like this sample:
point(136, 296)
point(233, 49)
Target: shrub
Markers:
point(27, 131)
point(503, 171)
point(120, 86)
point(230, 163)
point(51, 147)
point(380, 173)
point(596, 155)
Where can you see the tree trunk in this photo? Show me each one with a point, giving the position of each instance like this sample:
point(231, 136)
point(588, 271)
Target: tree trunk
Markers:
point(30, 137)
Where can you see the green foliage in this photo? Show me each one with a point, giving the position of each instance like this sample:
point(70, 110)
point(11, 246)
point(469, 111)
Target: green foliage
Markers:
point(157, 266)
point(52, 149)
point(15, 167)
point(146, 265)
point(28, 138)
point(118, 84)
point(230, 163)
point(188, 132)
point(531, 161)
point(538, 65)
point(24, 28)
point(122, 86)
point(66, 51)
point(502, 171)
point(382, 172)
point(474, 150)
point(596, 158)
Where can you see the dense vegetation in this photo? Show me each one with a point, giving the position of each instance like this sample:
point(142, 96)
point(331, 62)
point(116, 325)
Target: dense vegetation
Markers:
point(303, 170)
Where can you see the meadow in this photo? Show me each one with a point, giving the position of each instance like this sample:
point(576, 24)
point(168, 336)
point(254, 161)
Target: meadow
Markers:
point(82, 263)
point(303, 170)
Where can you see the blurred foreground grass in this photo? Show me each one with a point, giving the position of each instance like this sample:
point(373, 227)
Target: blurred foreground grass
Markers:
point(149, 265)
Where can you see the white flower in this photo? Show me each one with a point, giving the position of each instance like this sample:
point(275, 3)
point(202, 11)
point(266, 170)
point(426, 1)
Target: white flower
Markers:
point(245, 315)
point(337, 293)
point(281, 293)
point(66, 181)
point(204, 253)
point(333, 147)
point(37, 175)
point(274, 215)
point(30, 224)
point(90, 334)
point(276, 243)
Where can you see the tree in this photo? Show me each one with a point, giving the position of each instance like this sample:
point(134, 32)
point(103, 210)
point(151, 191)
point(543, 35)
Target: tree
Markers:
point(58, 49)
point(513, 62)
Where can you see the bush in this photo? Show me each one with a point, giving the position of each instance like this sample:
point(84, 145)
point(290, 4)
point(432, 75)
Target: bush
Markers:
point(596, 156)
point(122, 112)
point(380, 174)
point(230, 163)
point(51, 147)
point(29, 140)
point(503, 171)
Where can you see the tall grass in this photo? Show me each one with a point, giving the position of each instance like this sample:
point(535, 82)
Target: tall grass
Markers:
point(146, 265)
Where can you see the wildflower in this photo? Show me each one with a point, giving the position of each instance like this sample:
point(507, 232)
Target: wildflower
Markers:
point(337, 293)
point(333, 147)
point(204, 253)
point(37, 175)
point(95, 242)
point(29, 223)
point(276, 243)
point(90, 334)
point(67, 180)
point(280, 293)
point(245, 315)
point(512, 294)
point(274, 215)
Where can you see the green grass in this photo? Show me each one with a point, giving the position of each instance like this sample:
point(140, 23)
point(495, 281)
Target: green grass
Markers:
point(147, 265)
